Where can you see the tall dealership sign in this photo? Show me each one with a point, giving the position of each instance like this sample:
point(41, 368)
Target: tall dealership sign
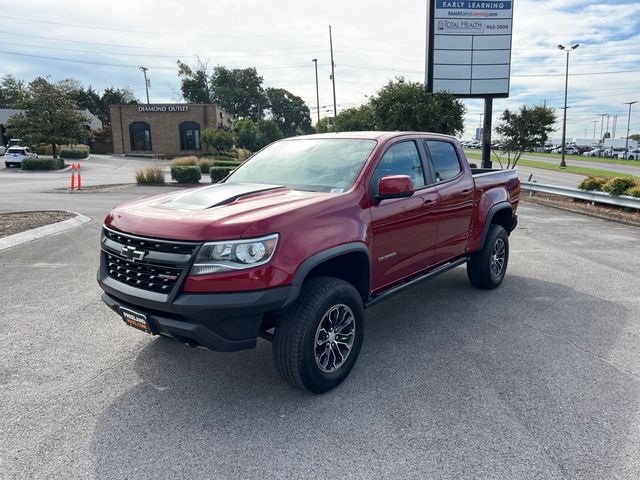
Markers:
point(469, 52)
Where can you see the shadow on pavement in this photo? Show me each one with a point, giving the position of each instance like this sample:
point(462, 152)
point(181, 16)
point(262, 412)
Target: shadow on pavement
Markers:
point(451, 382)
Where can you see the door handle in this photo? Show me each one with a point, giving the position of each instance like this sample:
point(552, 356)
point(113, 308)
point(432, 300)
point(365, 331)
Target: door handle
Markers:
point(466, 190)
point(427, 204)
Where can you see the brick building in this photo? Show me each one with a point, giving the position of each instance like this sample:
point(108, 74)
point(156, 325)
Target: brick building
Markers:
point(164, 129)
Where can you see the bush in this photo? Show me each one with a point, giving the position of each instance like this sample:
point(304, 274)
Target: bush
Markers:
point(43, 149)
point(234, 153)
point(226, 163)
point(226, 155)
point(205, 165)
point(634, 191)
point(219, 173)
point(42, 164)
point(186, 174)
point(184, 161)
point(592, 183)
point(153, 174)
point(618, 185)
point(74, 153)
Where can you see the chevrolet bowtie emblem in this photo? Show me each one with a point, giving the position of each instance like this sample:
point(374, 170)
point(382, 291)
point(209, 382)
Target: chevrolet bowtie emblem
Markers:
point(130, 253)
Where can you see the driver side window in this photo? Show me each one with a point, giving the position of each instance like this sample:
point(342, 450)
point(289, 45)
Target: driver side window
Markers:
point(402, 159)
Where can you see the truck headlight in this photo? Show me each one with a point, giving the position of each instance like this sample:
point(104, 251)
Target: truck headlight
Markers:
point(216, 257)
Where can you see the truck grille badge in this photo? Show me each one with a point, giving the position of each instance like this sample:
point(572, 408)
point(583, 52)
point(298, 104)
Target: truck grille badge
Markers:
point(131, 254)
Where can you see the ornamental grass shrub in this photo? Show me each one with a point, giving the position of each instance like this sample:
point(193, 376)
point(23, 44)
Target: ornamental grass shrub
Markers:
point(151, 175)
point(184, 161)
point(592, 183)
point(618, 185)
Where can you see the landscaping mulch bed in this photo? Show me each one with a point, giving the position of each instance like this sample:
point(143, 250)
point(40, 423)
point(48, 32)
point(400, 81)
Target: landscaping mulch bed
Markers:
point(16, 222)
point(605, 212)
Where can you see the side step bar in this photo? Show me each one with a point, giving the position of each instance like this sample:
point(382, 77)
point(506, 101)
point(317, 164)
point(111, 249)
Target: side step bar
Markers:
point(427, 276)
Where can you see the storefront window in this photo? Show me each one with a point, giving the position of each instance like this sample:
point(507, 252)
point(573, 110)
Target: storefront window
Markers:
point(189, 136)
point(140, 134)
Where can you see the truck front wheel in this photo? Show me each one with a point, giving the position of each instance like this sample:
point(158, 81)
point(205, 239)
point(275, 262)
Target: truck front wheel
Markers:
point(487, 268)
point(318, 339)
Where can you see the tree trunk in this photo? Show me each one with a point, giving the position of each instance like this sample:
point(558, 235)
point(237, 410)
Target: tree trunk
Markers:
point(54, 150)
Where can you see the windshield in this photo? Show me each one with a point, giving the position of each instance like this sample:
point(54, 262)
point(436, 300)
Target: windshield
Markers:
point(322, 165)
point(15, 150)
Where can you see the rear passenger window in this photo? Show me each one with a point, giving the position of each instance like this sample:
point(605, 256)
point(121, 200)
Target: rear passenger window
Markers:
point(445, 160)
point(401, 159)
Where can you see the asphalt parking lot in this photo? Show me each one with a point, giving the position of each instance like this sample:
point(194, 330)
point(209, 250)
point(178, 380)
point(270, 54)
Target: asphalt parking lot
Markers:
point(537, 379)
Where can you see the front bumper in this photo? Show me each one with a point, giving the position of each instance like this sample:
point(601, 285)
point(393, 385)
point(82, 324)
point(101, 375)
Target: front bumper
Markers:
point(225, 322)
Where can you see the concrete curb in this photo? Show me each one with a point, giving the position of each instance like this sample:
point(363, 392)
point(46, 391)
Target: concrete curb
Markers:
point(41, 232)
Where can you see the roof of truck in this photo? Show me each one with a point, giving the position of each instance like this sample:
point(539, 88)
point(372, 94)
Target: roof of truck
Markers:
point(367, 135)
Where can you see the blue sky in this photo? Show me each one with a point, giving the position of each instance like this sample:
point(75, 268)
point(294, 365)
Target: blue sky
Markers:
point(101, 44)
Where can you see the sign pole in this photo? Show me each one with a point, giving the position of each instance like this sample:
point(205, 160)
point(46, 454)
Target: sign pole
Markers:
point(486, 133)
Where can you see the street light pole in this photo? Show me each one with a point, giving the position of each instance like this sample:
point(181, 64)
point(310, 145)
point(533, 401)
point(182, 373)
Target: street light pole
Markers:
point(626, 143)
point(333, 80)
point(602, 115)
point(595, 122)
point(566, 86)
point(146, 83)
point(315, 60)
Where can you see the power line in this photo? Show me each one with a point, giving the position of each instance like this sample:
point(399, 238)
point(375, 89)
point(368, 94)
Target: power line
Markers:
point(146, 32)
point(76, 41)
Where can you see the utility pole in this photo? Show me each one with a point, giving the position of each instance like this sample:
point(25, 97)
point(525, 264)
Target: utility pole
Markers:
point(608, 116)
point(566, 86)
point(595, 122)
point(315, 60)
point(333, 80)
point(626, 143)
point(146, 82)
point(613, 129)
point(601, 124)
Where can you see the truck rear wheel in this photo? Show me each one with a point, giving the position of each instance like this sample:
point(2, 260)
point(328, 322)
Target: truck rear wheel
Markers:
point(487, 268)
point(318, 339)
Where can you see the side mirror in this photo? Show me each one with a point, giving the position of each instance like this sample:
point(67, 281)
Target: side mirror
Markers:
point(395, 186)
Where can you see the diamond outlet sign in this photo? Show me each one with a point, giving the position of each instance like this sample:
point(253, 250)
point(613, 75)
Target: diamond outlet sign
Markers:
point(469, 47)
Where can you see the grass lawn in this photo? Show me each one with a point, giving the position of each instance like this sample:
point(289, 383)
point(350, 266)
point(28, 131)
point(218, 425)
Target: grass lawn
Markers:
point(610, 161)
point(578, 170)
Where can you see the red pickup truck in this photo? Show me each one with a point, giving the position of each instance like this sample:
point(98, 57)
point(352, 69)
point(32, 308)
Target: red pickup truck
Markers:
point(300, 240)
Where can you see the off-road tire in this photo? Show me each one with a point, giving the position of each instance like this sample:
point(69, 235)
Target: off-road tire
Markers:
point(481, 268)
point(294, 342)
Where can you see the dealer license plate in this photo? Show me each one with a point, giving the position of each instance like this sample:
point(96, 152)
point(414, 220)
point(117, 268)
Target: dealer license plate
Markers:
point(135, 319)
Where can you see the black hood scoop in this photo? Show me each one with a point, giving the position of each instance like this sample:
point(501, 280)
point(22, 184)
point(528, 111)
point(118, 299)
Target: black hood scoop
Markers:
point(215, 195)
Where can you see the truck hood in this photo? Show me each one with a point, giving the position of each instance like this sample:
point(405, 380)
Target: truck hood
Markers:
point(217, 212)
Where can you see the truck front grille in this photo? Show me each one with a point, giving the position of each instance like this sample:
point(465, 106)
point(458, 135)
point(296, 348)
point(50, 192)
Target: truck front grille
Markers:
point(151, 244)
point(155, 278)
point(149, 264)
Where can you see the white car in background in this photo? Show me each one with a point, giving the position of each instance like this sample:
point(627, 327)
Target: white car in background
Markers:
point(596, 152)
point(15, 156)
point(632, 155)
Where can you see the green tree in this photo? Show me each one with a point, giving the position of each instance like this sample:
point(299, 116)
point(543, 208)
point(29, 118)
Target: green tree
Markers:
point(48, 116)
point(195, 81)
point(290, 111)
point(324, 125)
point(402, 105)
point(356, 119)
point(268, 132)
point(246, 133)
point(239, 91)
point(11, 90)
point(635, 136)
point(221, 140)
point(87, 99)
point(524, 130)
point(113, 96)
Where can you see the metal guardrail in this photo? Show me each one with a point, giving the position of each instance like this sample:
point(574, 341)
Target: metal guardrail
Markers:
point(588, 195)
